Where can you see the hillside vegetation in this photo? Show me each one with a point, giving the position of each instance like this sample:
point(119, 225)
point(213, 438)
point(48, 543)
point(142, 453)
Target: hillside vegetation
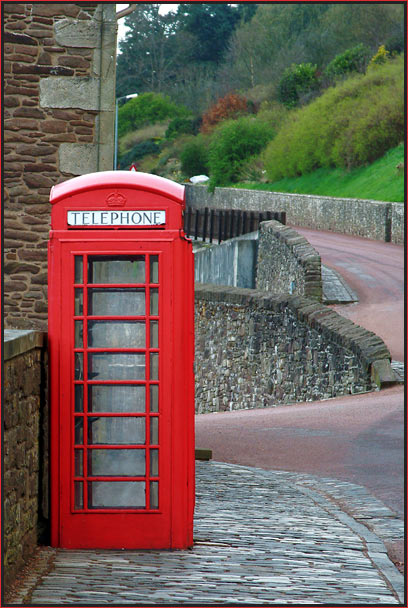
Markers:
point(383, 180)
point(349, 125)
point(314, 119)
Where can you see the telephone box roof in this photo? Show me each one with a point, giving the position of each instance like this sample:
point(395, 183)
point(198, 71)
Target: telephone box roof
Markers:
point(118, 179)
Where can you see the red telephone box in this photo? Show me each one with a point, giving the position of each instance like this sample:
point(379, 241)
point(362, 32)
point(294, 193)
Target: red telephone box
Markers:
point(121, 344)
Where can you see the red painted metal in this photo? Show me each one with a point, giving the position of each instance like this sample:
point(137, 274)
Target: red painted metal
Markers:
point(122, 467)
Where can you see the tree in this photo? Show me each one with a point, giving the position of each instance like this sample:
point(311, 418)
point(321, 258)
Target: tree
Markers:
point(211, 25)
point(296, 82)
point(152, 51)
point(352, 60)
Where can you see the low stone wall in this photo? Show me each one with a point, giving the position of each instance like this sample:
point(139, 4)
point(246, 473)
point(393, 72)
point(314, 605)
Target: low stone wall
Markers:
point(257, 349)
point(377, 220)
point(25, 447)
point(287, 263)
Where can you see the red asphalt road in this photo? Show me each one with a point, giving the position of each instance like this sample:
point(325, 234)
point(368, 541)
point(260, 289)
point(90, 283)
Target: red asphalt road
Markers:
point(357, 438)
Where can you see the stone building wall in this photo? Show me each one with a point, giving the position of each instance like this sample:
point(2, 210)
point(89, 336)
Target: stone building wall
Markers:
point(25, 447)
point(377, 220)
point(256, 349)
point(287, 263)
point(59, 87)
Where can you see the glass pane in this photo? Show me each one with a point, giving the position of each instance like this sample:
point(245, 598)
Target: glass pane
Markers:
point(154, 398)
point(79, 366)
point(154, 366)
point(116, 366)
point(154, 494)
point(79, 470)
point(154, 430)
point(116, 398)
point(114, 269)
point(154, 301)
point(79, 302)
point(116, 431)
point(117, 334)
point(79, 430)
point(116, 302)
point(117, 495)
point(154, 463)
point(79, 398)
point(79, 334)
point(116, 462)
point(79, 277)
point(154, 334)
point(154, 269)
point(79, 494)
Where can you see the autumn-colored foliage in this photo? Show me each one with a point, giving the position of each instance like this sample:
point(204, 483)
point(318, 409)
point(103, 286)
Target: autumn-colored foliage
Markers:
point(230, 106)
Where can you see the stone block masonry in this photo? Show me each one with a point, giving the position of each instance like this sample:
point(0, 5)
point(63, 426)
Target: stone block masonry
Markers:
point(258, 349)
point(59, 85)
point(287, 263)
point(377, 220)
point(25, 447)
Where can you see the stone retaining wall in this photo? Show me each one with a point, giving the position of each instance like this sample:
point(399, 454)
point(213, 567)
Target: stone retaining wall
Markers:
point(377, 220)
point(59, 100)
point(287, 263)
point(257, 349)
point(25, 481)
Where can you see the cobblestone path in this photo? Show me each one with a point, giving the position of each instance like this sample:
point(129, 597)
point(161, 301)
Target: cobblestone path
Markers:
point(261, 538)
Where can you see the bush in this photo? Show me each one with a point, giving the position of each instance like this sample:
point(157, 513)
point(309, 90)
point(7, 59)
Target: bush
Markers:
point(147, 108)
point(351, 124)
point(352, 60)
point(274, 113)
point(137, 152)
point(179, 126)
point(380, 57)
point(232, 144)
point(194, 157)
point(297, 80)
point(230, 106)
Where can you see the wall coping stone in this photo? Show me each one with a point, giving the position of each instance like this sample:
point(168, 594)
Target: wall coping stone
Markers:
point(19, 341)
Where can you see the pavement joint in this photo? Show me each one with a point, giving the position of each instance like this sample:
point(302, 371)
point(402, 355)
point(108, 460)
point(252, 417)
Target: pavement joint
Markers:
point(261, 538)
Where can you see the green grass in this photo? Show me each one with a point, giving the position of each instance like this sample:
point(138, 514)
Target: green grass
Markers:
point(380, 181)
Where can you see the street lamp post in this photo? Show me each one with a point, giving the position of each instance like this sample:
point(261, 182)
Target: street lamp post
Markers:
point(130, 96)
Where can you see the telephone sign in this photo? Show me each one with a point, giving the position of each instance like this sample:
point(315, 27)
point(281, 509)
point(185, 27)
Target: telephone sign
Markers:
point(121, 344)
point(116, 218)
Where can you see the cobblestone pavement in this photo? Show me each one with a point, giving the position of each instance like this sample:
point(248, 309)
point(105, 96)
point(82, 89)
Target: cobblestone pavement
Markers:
point(261, 538)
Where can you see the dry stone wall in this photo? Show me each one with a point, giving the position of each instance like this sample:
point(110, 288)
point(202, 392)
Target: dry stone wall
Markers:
point(256, 349)
point(25, 481)
point(58, 122)
point(377, 220)
point(287, 263)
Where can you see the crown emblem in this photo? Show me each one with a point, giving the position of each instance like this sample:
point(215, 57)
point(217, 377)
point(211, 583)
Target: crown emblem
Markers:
point(116, 200)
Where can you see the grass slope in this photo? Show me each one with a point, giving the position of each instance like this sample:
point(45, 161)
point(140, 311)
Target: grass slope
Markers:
point(380, 181)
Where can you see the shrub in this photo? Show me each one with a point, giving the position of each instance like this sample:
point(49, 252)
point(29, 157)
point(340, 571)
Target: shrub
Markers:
point(230, 106)
point(194, 157)
point(147, 108)
point(178, 126)
point(274, 113)
point(232, 144)
point(351, 124)
point(297, 80)
point(155, 132)
point(380, 57)
point(137, 152)
point(352, 60)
